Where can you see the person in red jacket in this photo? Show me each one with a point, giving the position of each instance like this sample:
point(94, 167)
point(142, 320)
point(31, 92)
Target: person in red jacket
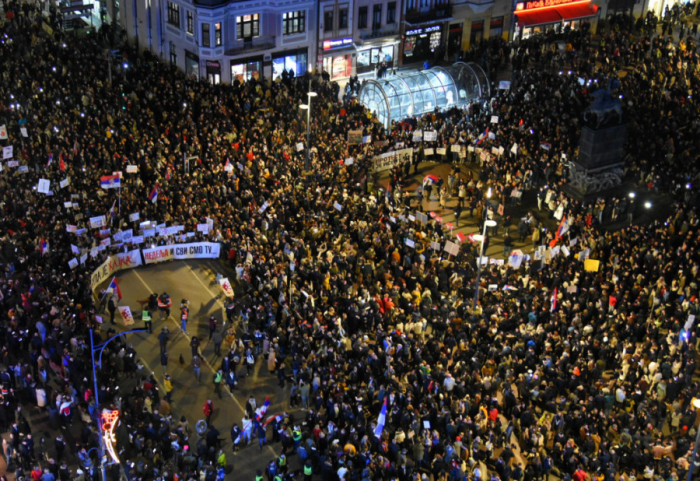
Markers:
point(580, 475)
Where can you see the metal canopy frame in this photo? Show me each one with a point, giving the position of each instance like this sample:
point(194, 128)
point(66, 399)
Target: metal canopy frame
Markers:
point(406, 94)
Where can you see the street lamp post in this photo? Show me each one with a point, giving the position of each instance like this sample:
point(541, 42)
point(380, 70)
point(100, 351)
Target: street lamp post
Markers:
point(307, 107)
point(93, 349)
point(696, 404)
point(487, 223)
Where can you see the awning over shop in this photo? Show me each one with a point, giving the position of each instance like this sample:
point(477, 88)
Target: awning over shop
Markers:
point(569, 11)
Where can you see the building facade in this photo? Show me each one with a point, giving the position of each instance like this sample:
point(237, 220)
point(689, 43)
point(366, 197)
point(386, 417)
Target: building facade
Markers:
point(226, 40)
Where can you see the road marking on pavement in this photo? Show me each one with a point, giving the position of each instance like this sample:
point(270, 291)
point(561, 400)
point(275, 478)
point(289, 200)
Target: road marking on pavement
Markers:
point(274, 452)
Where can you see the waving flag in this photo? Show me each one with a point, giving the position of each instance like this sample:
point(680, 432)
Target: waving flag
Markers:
point(44, 246)
point(259, 414)
point(114, 285)
point(153, 196)
point(381, 420)
point(561, 230)
point(481, 138)
point(61, 163)
point(546, 145)
point(113, 181)
point(554, 300)
point(48, 163)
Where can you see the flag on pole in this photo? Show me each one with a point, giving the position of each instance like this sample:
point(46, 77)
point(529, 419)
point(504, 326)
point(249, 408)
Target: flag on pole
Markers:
point(112, 211)
point(61, 163)
point(48, 163)
point(114, 285)
point(381, 420)
point(153, 196)
point(482, 136)
point(554, 300)
point(113, 181)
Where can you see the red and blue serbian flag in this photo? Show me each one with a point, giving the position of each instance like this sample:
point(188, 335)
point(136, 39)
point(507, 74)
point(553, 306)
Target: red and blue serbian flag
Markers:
point(381, 420)
point(546, 145)
point(44, 246)
point(554, 300)
point(561, 230)
point(113, 181)
point(114, 285)
point(260, 412)
point(431, 179)
point(153, 196)
point(48, 163)
point(481, 138)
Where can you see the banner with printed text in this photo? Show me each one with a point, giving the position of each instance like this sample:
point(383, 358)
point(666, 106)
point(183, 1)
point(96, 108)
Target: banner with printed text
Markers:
point(388, 160)
point(195, 250)
point(115, 263)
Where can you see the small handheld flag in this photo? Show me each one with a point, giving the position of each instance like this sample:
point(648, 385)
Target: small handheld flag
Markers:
point(114, 285)
point(48, 163)
point(554, 300)
point(153, 196)
point(381, 420)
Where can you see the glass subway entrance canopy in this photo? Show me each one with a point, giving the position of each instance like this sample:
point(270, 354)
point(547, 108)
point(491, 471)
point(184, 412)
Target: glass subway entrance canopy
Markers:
point(397, 97)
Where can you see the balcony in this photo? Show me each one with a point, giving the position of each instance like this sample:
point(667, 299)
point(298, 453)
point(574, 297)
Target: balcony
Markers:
point(253, 45)
point(386, 31)
point(434, 14)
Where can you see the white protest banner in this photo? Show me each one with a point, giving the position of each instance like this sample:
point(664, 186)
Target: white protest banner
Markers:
point(13, 163)
point(300, 146)
point(68, 205)
point(83, 258)
point(435, 246)
point(366, 139)
point(97, 222)
point(441, 151)
point(492, 135)
point(263, 207)
point(429, 151)
point(504, 85)
point(389, 160)
point(337, 206)
point(417, 135)
point(456, 148)
point(514, 149)
point(349, 161)
point(494, 119)
point(3, 132)
point(137, 239)
point(23, 131)
point(126, 315)
point(71, 228)
point(74, 249)
point(44, 186)
point(226, 286)
point(64, 182)
point(7, 152)
point(210, 222)
point(430, 136)
point(73, 263)
point(410, 243)
point(134, 217)
point(203, 228)
point(115, 263)
point(195, 250)
point(132, 169)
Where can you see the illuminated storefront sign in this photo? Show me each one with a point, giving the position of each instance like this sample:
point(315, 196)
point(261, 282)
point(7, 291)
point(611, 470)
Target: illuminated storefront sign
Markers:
point(418, 31)
point(336, 44)
point(109, 423)
point(545, 3)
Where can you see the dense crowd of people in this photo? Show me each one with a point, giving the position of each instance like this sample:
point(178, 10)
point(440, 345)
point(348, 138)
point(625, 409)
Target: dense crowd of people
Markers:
point(586, 374)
